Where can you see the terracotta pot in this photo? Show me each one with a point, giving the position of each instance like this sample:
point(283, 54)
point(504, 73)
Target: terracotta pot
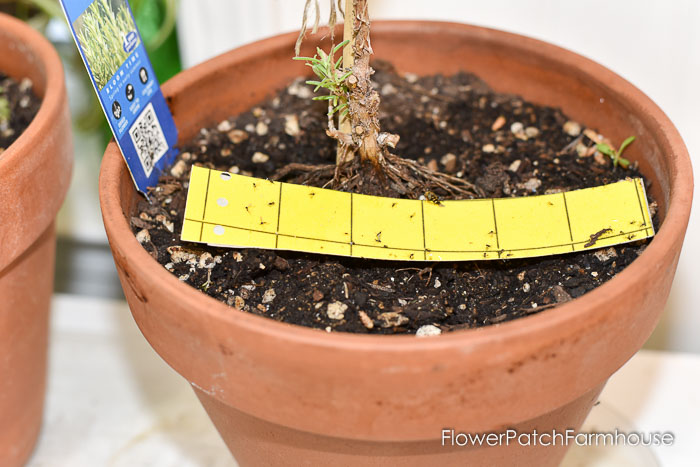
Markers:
point(34, 176)
point(286, 395)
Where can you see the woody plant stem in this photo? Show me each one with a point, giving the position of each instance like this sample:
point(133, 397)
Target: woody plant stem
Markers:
point(360, 131)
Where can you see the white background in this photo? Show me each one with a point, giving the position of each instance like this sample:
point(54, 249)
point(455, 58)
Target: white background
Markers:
point(655, 44)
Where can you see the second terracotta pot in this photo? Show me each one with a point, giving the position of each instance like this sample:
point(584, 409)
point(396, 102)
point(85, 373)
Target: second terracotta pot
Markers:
point(286, 395)
point(34, 176)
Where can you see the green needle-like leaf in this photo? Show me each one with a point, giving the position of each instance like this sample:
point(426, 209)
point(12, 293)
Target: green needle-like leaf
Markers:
point(345, 76)
point(340, 46)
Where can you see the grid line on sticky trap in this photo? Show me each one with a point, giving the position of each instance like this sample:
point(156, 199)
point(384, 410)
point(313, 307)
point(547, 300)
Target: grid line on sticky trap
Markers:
point(352, 206)
point(206, 198)
point(279, 214)
point(568, 221)
point(237, 211)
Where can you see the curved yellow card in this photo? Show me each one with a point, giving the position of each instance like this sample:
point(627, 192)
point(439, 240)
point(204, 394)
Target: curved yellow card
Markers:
point(237, 211)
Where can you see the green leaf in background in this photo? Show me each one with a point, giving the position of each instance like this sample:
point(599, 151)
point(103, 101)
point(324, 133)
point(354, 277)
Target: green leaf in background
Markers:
point(157, 22)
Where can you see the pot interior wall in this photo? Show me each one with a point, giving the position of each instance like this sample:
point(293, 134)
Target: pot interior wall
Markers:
point(545, 76)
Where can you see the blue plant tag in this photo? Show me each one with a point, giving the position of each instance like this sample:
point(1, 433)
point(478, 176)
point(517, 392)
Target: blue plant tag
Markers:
point(121, 72)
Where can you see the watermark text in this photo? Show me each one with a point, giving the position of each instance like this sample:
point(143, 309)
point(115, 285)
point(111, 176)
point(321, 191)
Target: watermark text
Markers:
point(451, 437)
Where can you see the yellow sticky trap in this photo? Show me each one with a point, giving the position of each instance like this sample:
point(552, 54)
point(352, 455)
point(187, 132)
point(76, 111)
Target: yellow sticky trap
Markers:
point(236, 211)
point(387, 228)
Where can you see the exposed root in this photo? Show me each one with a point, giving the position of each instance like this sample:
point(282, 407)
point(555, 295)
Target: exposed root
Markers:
point(396, 178)
point(400, 178)
point(428, 180)
point(306, 174)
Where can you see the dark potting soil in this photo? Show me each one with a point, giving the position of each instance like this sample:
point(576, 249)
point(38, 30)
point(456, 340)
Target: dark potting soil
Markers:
point(501, 143)
point(22, 104)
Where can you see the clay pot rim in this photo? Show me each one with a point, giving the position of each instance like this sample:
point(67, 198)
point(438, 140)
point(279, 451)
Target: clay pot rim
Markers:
point(571, 315)
point(51, 102)
point(34, 151)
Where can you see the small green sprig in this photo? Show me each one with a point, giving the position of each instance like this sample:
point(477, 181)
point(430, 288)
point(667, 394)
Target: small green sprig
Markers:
point(4, 108)
point(332, 78)
point(616, 154)
point(4, 111)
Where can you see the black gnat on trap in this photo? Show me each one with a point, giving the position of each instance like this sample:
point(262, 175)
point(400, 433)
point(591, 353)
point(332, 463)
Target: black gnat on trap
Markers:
point(457, 125)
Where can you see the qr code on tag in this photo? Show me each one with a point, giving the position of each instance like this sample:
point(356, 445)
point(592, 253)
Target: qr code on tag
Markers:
point(148, 138)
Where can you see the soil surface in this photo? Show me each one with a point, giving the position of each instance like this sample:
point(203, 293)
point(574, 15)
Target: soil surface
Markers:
point(22, 104)
point(501, 143)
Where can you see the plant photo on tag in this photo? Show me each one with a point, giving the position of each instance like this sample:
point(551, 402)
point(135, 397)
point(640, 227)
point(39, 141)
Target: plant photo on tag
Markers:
point(107, 34)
